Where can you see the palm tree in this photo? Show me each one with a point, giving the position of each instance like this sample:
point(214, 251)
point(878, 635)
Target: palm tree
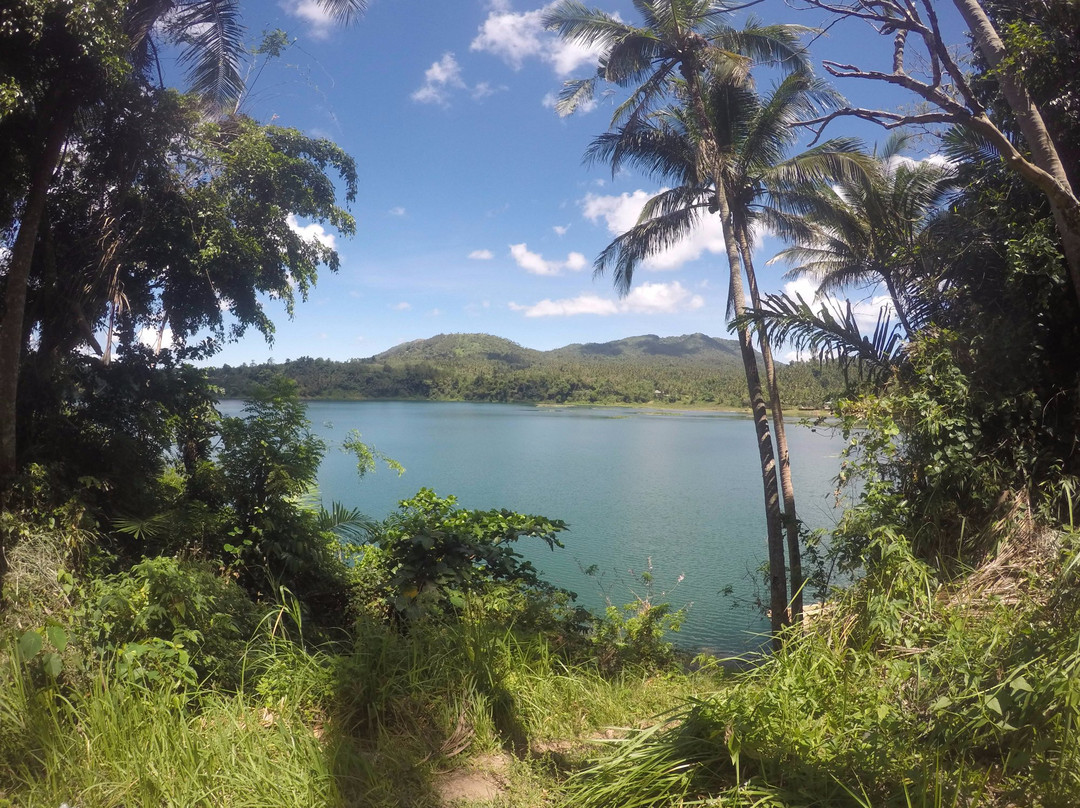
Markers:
point(753, 135)
point(682, 42)
point(756, 134)
point(869, 227)
point(211, 36)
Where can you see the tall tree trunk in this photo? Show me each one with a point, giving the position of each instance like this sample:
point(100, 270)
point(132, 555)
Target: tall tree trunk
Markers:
point(778, 599)
point(1053, 180)
point(22, 256)
point(787, 488)
point(711, 164)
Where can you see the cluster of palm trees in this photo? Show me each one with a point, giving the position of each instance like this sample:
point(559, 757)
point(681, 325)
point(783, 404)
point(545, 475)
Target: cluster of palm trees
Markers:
point(694, 120)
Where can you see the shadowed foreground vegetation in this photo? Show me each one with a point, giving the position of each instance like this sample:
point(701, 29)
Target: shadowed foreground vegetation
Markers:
point(168, 686)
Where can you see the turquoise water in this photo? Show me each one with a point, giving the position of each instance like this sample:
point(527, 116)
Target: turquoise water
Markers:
point(681, 489)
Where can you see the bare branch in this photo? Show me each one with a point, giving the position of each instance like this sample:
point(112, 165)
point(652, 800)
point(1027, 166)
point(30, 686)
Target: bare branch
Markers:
point(898, 52)
point(949, 91)
point(881, 117)
point(935, 95)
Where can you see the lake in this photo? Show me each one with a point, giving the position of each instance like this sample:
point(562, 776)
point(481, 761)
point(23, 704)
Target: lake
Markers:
point(680, 488)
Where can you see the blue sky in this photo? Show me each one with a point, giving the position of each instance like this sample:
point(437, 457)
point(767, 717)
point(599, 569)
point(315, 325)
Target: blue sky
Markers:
point(475, 212)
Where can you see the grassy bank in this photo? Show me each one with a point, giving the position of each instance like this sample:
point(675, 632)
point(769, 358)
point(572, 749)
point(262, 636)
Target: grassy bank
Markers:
point(376, 718)
point(904, 691)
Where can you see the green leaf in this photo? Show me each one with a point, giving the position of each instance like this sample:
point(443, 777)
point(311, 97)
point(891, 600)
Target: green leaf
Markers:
point(29, 644)
point(993, 705)
point(57, 636)
point(53, 664)
point(942, 703)
point(1020, 684)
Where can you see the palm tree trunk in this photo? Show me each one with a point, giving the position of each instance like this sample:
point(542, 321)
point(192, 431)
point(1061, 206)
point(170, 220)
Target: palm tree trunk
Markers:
point(22, 257)
point(787, 488)
point(710, 163)
point(778, 600)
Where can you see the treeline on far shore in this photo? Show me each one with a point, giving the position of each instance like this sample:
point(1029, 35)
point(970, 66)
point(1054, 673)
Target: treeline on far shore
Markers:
point(593, 380)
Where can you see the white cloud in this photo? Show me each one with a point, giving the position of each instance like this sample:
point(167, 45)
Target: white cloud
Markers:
point(320, 22)
point(582, 304)
point(443, 78)
point(309, 232)
point(661, 298)
point(576, 262)
point(649, 298)
point(938, 160)
point(402, 306)
point(481, 255)
point(397, 211)
point(439, 79)
point(560, 230)
point(483, 89)
point(517, 36)
point(620, 213)
point(536, 264)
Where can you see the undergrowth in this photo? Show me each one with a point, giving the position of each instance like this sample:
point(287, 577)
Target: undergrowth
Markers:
point(905, 692)
point(142, 709)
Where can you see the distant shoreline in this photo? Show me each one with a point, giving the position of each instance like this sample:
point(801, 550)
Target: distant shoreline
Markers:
point(660, 406)
point(678, 407)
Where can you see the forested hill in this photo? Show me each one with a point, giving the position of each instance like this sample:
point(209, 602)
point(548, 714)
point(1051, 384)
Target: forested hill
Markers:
point(693, 369)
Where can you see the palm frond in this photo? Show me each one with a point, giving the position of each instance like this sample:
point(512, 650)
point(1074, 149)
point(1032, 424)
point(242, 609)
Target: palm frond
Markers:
point(661, 151)
point(779, 45)
point(832, 335)
point(214, 39)
point(675, 199)
point(576, 23)
point(345, 11)
point(348, 524)
point(575, 93)
point(140, 17)
point(626, 252)
point(966, 146)
point(143, 528)
point(641, 101)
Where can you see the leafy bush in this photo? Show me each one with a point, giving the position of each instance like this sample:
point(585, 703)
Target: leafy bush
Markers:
point(429, 554)
point(169, 617)
point(636, 634)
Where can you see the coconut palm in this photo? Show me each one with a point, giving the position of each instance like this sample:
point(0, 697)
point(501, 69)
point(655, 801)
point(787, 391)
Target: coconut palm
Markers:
point(869, 227)
point(680, 44)
point(753, 134)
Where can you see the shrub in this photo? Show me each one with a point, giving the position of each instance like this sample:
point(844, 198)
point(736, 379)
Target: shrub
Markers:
point(170, 615)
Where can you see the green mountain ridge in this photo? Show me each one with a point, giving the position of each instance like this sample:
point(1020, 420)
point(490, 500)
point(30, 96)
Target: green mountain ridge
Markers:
point(696, 347)
point(689, 370)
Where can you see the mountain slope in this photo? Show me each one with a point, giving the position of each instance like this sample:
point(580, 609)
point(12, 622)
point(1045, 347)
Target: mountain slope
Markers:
point(691, 347)
point(452, 347)
point(690, 370)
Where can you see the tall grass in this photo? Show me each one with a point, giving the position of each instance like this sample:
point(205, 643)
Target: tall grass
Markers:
point(363, 721)
point(908, 693)
point(123, 743)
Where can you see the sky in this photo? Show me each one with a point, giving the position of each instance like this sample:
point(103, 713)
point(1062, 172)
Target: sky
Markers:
point(475, 212)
